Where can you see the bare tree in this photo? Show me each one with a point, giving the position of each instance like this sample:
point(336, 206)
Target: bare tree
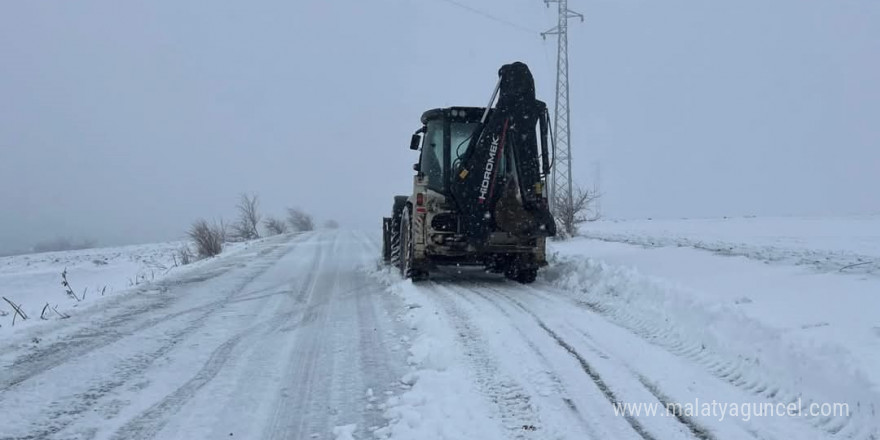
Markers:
point(245, 228)
point(331, 224)
point(582, 209)
point(276, 226)
point(207, 237)
point(299, 220)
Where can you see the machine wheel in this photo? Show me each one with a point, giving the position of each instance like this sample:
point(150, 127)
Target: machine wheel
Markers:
point(386, 240)
point(526, 276)
point(510, 273)
point(394, 231)
point(405, 244)
point(523, 276)
point(407, 251)
point(394, 239)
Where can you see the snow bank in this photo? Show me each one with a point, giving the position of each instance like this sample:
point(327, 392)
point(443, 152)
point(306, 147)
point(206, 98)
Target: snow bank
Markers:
point(757, 350)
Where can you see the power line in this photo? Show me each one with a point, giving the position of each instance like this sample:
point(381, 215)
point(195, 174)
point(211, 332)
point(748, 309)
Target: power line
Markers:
point(490, 16)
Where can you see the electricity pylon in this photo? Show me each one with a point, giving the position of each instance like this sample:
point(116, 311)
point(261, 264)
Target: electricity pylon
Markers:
point(560, 183)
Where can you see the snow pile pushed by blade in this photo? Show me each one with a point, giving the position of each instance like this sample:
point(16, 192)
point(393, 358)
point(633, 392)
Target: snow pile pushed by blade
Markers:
point(766, 341)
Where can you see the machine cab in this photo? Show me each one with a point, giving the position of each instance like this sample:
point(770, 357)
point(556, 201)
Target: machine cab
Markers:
point(444, 138)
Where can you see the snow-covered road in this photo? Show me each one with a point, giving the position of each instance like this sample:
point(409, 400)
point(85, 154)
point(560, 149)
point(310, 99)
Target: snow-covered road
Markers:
point(307, 337)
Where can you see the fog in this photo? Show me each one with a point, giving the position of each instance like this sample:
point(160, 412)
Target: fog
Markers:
point(126, 121)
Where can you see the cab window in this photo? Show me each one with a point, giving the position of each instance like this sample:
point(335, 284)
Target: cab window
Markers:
point(432, 155)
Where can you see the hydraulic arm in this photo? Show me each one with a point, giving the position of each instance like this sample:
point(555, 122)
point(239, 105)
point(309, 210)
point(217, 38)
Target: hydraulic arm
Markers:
point(499, 182)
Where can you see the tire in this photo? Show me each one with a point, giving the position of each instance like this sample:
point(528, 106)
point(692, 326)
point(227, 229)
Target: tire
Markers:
point(527, 276)
point(394, 239)
point(407, 249)
point(386, 240)
point(510, 272)
point(394, 230)
point(522, 276)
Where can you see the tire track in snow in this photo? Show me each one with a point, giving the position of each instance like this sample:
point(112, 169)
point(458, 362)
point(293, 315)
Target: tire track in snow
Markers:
point(549, 367)
point(375, 354)
point(695, 429)
point(588, 369)
point(339, 354)
point(301, 360)
point(150, 422)
point(53, 421)
point(517, 412)
point(739, 372)
point(117, 327)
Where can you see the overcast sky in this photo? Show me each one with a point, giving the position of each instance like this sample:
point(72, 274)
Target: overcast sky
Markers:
point(125, 121)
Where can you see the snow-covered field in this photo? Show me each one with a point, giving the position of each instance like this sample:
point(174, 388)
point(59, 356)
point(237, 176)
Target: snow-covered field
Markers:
point(308, 336)
point(34, 280)
point(850, 244)
point(801, 295)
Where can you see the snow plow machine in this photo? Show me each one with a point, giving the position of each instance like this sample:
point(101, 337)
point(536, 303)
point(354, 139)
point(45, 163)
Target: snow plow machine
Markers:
point(479, 194)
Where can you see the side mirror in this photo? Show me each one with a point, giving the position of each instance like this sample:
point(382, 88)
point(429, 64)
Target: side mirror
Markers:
point(415, 142)
point(417, 167)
